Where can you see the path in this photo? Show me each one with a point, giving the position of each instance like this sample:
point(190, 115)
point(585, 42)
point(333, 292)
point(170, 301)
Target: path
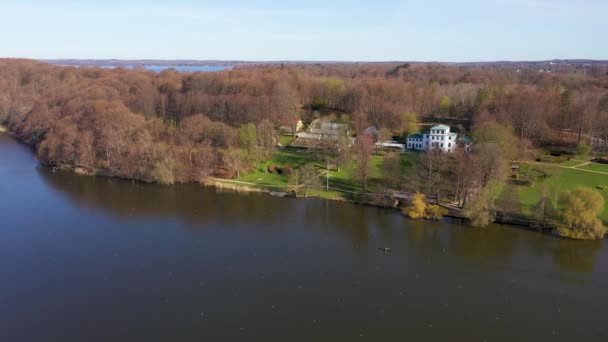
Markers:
point(576, 167)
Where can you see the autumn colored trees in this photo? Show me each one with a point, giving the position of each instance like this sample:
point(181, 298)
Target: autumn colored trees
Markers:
point(173, 127)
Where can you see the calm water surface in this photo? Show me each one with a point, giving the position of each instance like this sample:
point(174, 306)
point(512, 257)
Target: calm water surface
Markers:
point(93, 259)
point(159, 68)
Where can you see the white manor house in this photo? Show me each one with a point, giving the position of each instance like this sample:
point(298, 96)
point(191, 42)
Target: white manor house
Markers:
point(438, 137)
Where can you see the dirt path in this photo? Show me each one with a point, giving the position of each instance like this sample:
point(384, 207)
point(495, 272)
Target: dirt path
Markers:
point(576, 167)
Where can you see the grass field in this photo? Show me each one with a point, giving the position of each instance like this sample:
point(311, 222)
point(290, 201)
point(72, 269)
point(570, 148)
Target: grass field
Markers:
point(345, 179)
point(286, 157)
point(564, 180)
point(570, 163)
point(595, 167)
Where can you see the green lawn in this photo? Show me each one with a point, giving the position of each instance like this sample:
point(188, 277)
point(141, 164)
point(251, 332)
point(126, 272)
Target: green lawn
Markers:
point(345, 179)
point(595, 167)
point(566, 180)
point(281, 158)
point(570, 163)
point(286, 140)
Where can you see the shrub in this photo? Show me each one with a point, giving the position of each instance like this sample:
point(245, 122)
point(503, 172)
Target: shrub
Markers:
point(587, 234)
point(435, 212)
point(418, 208)
point(288, 170)
point(583, 149)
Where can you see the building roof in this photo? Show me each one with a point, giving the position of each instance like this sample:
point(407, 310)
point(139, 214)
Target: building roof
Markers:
point(415, 136)
point(452, 134)
point(327, 128)
point(438, 127)
point(372, 130)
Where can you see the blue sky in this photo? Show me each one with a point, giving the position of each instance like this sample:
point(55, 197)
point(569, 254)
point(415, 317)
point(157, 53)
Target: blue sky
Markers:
point(380, 30)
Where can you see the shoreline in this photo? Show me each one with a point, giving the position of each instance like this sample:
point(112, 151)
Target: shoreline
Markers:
point(453, 214)
point(456, 216)
point(271, 190)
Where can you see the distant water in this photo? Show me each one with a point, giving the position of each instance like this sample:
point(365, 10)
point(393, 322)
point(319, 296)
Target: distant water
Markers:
point(160, 68)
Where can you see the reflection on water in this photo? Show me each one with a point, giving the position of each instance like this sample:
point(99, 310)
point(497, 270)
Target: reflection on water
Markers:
point(197, 205)
point(97, 259)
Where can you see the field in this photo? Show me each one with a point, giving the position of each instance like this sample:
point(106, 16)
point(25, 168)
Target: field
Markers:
point(563, 179)
point(343, 183)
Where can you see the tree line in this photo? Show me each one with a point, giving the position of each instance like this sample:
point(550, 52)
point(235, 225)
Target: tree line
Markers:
point(182, 127)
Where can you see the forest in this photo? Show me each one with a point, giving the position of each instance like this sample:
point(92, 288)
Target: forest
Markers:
point(172, 127)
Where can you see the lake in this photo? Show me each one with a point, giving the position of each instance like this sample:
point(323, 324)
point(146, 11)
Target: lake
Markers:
point(98, 259)
point(160, 68)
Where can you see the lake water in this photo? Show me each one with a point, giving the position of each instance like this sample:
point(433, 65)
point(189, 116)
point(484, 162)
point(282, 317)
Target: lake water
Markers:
point(160, 68)
point(96, 259)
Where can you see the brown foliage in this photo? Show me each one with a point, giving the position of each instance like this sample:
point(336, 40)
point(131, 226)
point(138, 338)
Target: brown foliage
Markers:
point(169, 126)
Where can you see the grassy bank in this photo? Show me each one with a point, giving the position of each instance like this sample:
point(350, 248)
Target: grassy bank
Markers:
point(564, 177)
point(343, 183)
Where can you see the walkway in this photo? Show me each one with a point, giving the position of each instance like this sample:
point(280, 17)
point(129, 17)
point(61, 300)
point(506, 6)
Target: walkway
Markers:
point(575, 167)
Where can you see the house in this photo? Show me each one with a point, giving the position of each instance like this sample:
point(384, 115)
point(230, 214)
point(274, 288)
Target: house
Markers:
point(465, 142)
point(373, 133)
point(438, 137)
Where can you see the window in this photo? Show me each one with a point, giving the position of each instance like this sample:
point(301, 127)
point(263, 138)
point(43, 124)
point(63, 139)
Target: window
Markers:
point(450, 145)
point(441, 145)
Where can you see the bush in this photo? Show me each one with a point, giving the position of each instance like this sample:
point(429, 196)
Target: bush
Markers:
point(588, 234)
point(317, 104)
point(583, 149)
point(419, 209)
point(435, 212)
point(288, 170)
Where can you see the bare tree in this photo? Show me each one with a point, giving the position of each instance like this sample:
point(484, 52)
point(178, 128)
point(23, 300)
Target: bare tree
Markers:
point(363, 149)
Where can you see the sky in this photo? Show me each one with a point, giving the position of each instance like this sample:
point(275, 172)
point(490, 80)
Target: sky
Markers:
point(316, 30)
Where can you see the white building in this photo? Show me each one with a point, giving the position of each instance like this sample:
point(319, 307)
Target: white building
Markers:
point(438, 137)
